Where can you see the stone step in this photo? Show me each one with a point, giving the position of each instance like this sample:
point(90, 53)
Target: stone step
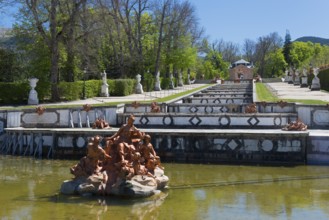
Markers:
point(228, 108)
point(217, 100)
point(224, 95)
point(219, 120)
point(233, 91)
point(179, 145)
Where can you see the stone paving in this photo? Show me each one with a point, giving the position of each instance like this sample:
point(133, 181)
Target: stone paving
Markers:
point(289, 91)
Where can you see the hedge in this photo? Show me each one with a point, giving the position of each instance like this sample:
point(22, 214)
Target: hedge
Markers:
point(14, 93)
point(18, 92)
point(324, 79)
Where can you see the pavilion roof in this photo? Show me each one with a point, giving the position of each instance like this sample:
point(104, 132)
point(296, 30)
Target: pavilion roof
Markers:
point(242, 61)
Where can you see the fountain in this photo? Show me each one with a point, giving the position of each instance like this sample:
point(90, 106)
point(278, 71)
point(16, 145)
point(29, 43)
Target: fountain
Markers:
point(126, 166)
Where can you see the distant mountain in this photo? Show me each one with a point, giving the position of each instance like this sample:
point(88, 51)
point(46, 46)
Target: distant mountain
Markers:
point(322, 41)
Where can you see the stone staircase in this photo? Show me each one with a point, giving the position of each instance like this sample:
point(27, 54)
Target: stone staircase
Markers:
point(214, 109)
point(212, 126)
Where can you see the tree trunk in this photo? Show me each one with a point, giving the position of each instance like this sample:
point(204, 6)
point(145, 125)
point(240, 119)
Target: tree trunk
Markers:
point(54, 52)
point(158, 53)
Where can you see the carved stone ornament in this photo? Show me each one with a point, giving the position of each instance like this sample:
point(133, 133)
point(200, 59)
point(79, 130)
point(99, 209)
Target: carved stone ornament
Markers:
point(87, 107)
point(297, 125)
point(155, 108)
point(252, 108)
point(282, 104)
point(40, 110)
point(135, 104)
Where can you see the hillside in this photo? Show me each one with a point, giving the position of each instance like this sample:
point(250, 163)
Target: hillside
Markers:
point(322, 41)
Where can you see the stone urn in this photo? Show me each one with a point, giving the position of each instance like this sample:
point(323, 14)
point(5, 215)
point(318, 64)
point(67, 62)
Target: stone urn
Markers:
point(33, 95)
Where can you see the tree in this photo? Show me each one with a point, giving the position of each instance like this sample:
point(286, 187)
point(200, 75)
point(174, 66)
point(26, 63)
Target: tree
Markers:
point(215, 66)
point(181, 33)
point(8, 65)
point(301, 54)
point(51, 28)
point(264, 46)
point(161, 14)
point(287, 48)
point(249, 49)
point(229, 50)
point(275, 63)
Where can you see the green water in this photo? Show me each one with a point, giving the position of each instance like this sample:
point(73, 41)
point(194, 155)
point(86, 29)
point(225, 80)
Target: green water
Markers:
point(29, 190)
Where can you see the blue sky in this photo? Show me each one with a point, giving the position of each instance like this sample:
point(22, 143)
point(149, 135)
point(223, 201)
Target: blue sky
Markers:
point(237, 20)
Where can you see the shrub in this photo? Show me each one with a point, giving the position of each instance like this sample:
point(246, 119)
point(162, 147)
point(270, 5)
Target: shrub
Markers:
point(123, 87)
point(324, 79)
point(165, 83)
point(148, 82)
point(14, 92)
point(18, 92)
point(70, 90)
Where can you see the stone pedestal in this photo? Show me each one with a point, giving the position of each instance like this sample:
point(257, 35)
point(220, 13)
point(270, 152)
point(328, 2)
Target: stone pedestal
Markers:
point(139, 87)
point(297, 81)
point(304, 82)
point(157, 86)
point(315, 84)
point(33, 95)
point(316, 81)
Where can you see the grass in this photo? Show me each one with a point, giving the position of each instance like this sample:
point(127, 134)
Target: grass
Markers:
point(178, 95)
point(264, 94)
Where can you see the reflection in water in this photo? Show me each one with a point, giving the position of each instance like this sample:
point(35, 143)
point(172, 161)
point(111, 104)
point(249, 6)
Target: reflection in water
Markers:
point(29, 190)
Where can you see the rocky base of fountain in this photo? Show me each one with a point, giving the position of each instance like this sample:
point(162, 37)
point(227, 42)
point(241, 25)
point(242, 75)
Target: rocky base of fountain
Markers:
point(137, 187)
